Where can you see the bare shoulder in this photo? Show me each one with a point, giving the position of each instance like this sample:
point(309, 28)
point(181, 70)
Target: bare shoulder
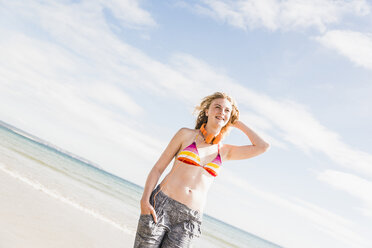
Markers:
point(187, 133)
point(189, 130)
point(173, 148)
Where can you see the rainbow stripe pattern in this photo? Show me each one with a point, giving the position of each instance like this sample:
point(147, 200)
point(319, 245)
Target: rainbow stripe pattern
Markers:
point(190, 155)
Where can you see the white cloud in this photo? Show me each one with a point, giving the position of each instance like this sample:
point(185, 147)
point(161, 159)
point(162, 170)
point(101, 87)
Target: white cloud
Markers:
point(354, 45)
point(300, 128)
point(283, 15)
point(298, 15)
point(305, 213)
point(129, 12)
point(260, 124)
point(111, 95)
point(353, 185)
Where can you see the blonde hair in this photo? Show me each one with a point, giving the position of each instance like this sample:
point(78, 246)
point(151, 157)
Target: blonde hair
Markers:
point(204, 105)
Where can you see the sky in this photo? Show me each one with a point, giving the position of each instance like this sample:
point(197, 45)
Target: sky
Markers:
point(112, 81)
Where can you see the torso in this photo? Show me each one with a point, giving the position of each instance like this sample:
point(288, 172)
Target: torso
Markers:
point(189, 184)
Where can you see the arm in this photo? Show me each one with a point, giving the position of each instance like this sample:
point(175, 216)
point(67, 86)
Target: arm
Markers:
point(243, 152)
point(158, 169)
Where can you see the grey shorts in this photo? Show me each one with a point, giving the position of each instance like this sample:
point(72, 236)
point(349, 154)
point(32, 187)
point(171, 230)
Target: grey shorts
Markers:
point(177, 224)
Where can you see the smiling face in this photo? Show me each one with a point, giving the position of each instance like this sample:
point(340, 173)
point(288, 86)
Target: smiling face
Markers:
point(219, 111)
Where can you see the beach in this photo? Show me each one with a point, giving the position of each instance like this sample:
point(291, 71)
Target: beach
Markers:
point(27, 221)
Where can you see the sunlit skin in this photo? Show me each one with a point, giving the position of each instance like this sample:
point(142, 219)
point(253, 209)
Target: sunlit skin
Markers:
point(189, 184)
point(218, 108)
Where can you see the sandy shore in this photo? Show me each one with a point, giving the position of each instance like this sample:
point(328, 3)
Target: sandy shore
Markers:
point(31, 218)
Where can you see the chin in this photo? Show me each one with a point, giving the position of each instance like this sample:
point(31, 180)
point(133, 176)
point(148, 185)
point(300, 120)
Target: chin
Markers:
point(222, 125)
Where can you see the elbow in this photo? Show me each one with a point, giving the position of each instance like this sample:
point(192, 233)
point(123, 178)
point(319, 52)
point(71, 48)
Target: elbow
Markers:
point(156, 171)
point(265, 146)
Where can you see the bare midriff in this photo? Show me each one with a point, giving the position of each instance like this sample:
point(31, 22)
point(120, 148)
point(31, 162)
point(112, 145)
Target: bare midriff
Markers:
point(187, 184)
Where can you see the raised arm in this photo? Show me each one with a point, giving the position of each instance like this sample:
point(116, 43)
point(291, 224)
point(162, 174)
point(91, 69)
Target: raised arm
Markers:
point(243, 152)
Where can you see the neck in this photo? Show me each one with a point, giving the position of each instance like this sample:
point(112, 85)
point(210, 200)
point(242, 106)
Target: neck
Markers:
point(212, 129)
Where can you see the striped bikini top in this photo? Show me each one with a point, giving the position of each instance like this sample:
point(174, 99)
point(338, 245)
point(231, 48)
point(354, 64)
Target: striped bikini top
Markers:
point(190, 155)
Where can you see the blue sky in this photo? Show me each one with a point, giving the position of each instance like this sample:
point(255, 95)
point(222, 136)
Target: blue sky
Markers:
point(112, 81)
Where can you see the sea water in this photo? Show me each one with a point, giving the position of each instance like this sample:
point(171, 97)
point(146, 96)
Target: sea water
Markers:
point(95, 192)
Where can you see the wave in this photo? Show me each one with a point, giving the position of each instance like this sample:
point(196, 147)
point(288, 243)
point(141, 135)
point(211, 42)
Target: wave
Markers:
point(57, 195)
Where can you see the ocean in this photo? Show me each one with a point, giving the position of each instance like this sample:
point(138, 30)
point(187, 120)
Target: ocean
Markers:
point(76, 183)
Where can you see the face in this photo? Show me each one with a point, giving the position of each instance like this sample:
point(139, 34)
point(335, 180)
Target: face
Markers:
point(219, 111)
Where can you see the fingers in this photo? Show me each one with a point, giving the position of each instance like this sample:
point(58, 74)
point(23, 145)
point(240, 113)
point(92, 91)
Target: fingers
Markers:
point(154, 215)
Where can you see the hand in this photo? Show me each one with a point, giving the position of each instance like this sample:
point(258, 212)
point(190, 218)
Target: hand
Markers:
point(146, 208)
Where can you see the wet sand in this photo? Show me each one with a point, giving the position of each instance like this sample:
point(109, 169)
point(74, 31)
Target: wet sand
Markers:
point(31, 218)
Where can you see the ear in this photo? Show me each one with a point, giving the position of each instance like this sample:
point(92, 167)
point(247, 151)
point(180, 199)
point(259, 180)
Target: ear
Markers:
point(206, 113)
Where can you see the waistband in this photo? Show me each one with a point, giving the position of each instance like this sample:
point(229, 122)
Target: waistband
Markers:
point(161, 197)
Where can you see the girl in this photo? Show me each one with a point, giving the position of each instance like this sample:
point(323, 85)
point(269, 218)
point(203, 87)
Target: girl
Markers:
point(171, 214)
